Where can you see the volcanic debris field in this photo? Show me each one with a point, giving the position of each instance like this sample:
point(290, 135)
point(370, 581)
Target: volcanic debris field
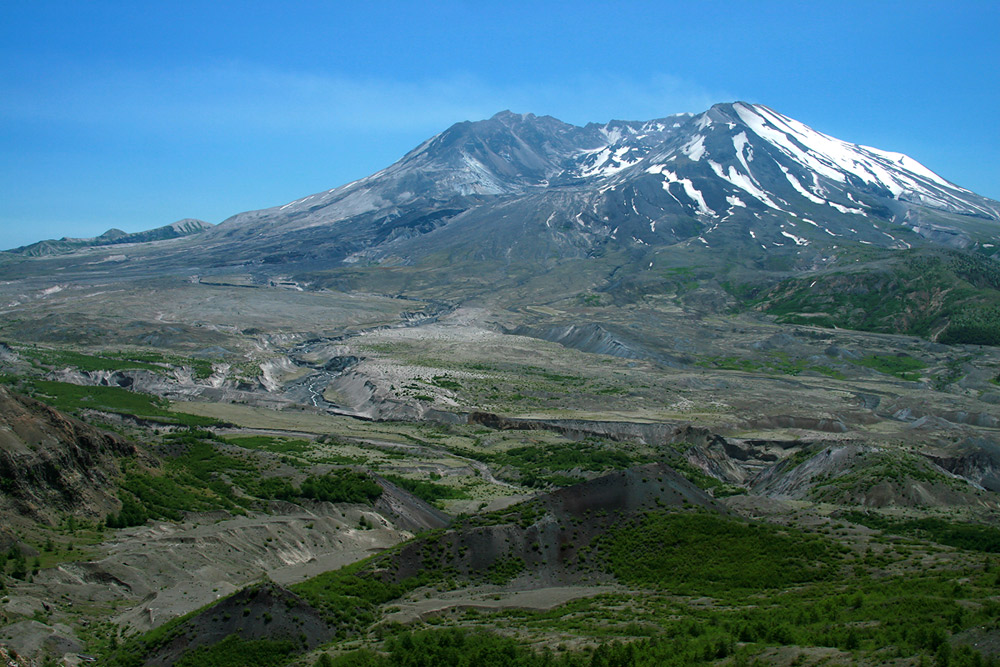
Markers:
point(449, 485)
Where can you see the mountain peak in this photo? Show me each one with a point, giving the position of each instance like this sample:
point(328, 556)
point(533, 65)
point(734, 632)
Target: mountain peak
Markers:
point(507, 114)
point(736, 174)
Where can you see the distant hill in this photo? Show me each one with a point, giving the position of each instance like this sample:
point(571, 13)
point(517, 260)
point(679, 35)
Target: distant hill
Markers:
point(65, 245)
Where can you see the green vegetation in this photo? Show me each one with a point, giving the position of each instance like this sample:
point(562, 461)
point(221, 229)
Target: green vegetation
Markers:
point(115, 361)
point(168, 496)
point(522, 514)
point(540, 466)
point(972, 537)
point(899, 469)
point(901, 366)
point(698, 553)
point(190, 481)
point(906, 619)
point(458, 648)
point(426, 490)
point(133, 652)
point(920, 292)
point(85, 362)
point(341, 486)
point(766, 586)
point(201, 368)
point(952, 372)
point(974, 326)
point(17, 561)
point(445, 382)
point(493, 385)
point(271, 444)
point(133, 513)
point(73, 398)
point(505, 569)
point(197, 477)
point(236, 652)
point(870, 620)
point(717, 488)
point(350, 596)
point(776, 362)
point(295, 451)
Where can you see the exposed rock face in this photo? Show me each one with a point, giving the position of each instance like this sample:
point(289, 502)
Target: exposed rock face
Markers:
point(51, 462)
point(977, 459)
point(406, 510)
point(649, 433)
point(590, 337)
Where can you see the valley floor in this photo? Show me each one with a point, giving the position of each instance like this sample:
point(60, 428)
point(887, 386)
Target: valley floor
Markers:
point(393, 480)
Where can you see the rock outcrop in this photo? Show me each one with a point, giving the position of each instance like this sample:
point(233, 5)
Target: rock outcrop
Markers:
point(52, 463)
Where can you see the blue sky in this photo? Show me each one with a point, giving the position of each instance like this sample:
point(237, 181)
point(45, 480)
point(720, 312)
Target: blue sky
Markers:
point(136, 114)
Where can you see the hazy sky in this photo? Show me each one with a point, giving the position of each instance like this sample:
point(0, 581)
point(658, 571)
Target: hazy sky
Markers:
point(136, 114)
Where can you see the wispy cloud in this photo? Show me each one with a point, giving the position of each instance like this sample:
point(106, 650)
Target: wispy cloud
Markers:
point(235, 98)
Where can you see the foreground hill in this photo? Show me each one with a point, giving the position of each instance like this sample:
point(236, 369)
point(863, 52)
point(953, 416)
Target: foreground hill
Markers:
point(52, 464)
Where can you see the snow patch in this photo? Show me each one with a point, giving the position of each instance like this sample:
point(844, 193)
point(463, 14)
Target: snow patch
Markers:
point(744, 183)
point(845, 209)
point(899, 174)
point(606, 161)
point(798, 239)
point(695, 148)
point(798, 187)
point(740, 143)
point(690, 191)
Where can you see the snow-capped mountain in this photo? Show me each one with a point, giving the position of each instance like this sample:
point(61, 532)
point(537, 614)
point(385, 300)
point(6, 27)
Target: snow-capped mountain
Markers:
point(739, 178)
point(736, 174)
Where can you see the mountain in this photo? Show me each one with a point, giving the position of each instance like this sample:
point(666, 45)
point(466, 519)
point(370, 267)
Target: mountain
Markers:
point(522, 206)
point(185, 227)
point(737, 175)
